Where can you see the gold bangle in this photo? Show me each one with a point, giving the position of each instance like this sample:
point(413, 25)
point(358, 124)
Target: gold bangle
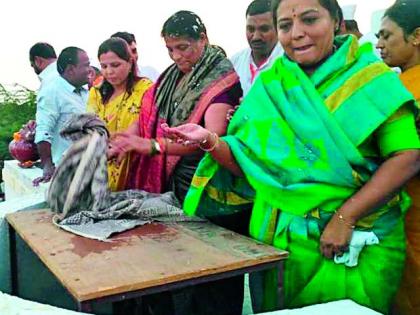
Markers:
point(216, 142)
point(344, 221)
point(155, 147)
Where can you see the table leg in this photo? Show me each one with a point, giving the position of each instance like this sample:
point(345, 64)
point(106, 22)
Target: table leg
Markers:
point(260, 299)
point(84, 307)
point(280, 285)
point(128, 306)
point(13, 261)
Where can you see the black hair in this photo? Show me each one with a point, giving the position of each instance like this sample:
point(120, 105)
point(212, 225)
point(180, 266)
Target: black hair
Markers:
point(405, 13)
point(351, 25)
point(119, 47)
point(68, 56)
point(258, 7)
point(331, 6)
point(128, 37)
point(340, 16)
point(96, 69)
point(184, 24)
point(43, 50)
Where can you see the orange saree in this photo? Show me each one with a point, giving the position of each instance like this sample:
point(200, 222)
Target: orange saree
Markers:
point(408, 301)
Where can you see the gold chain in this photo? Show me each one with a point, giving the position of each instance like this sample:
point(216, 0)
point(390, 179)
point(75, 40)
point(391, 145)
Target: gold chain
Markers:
point(118, 111)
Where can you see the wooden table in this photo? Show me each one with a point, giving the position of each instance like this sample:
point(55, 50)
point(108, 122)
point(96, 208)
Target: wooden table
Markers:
point(148, 259)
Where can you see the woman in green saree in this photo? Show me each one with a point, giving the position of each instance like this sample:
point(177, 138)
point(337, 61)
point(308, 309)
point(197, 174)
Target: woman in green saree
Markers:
point(320, 149)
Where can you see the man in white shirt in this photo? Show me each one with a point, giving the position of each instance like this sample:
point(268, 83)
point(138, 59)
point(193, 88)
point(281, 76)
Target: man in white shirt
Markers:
point(62, 97)
point(143, 71)
point(43, 60)
point(351, 27)
point(350, 24)
point(263, 44)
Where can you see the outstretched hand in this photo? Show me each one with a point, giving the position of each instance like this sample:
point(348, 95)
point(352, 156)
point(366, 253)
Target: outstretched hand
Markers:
point(47, 174)
point(186, 134)
point(124, 143)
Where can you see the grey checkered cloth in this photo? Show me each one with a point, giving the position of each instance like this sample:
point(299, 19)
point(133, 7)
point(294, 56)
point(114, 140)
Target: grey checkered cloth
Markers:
point(79, 193)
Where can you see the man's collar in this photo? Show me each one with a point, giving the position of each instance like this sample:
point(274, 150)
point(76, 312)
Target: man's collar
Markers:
point(70, 87)
point(277, 50)
point(79, 90)
point(47, 70)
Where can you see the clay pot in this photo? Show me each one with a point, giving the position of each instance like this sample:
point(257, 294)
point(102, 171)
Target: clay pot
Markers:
point(23, 150)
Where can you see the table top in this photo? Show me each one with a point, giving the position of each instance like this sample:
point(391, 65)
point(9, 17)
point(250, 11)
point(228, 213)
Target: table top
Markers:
point(147, 256)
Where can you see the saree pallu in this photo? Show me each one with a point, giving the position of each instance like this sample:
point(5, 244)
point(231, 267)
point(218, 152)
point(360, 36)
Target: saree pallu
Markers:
point(407, 300)
point(175, 101)
point(118, 114)
point(297, 141)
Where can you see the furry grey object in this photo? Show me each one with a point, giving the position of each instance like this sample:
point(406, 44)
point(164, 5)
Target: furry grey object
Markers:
point(79, 193)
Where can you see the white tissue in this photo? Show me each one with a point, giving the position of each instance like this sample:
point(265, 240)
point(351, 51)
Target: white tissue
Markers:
point(359, 240)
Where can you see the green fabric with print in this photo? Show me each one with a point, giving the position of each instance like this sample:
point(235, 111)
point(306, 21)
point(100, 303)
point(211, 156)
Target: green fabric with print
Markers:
point(297, 140)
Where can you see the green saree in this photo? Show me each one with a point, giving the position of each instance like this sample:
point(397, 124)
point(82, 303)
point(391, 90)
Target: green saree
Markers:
point(298, 140)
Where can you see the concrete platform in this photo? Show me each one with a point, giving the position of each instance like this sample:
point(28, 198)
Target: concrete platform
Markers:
point(11, 305)
point(18, 181)
point(343, 307)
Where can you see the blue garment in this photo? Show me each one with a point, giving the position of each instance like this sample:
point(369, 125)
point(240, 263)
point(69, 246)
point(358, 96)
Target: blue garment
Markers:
point(48, 74)
point(58, 100)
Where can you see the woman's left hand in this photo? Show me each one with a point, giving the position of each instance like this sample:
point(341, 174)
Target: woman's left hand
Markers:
point(231, 112)
point(187, 134)
point(336, 238)
point(123, 143)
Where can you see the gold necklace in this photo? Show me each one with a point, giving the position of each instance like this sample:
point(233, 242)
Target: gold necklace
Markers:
point(118, 108)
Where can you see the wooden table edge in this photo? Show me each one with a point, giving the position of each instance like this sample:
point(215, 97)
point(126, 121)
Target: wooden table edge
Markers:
point(170, 281)
point(282, 255)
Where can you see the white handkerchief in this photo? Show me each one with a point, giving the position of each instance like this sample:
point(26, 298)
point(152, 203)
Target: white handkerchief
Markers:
point(359, 240)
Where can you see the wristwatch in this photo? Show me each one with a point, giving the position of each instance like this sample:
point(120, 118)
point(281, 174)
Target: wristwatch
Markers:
point(156, 149)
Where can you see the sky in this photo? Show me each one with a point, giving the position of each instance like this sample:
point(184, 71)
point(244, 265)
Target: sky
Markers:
point(87, 23)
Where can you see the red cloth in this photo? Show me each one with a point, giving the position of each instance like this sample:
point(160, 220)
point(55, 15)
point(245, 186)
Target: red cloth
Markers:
point(152, 173)
point(255, 69)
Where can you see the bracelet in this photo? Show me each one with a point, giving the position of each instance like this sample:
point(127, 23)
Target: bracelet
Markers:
point(163, 144)
point(344, 221)
point(155, 147)
point(205, 141)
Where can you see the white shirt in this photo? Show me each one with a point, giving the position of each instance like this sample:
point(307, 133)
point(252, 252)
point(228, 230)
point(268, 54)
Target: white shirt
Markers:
point(49, 73)
point(247, 70)
point(57, 102)
point(148, 72)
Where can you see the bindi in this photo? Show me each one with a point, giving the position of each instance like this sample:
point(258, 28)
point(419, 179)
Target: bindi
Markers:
point(294, 11)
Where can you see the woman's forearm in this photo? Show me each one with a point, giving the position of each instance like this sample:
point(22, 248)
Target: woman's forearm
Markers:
point(179, 149)
point(223, 155)
point(205, 138)
point(382, 187)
